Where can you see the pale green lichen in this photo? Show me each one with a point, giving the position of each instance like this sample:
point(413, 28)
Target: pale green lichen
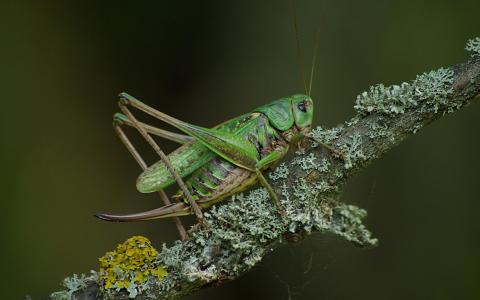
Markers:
point(307, 163)
point(323, 166)
point(305, 209)
point(434, 87)
point(416, 128)
point(285, 193)
point(310, 162)
point(349, 225)
point(353, 151)
point(338, 173)
point(379, 129)
point(74, 284)
point(352, 121)
point(254, 217)
point(236, 231)
point(312, 208)
point(473, 46)
point(431, 89)
point(236, 235)
point(281, 171)
point(324, 136)
point(303, 191)
point(393, 99)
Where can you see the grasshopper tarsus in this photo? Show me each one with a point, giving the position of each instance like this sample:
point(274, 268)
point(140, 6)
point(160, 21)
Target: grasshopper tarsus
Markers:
point(124, 96)
point(125, 99)
point(119, 119)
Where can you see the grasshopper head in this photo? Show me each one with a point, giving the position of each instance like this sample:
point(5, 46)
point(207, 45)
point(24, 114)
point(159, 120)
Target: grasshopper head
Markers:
point(302, 108)
point(290, 115)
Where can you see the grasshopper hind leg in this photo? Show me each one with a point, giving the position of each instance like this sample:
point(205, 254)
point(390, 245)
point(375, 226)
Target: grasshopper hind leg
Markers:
point(121, 119)
point(123, 103)
point(133, 151)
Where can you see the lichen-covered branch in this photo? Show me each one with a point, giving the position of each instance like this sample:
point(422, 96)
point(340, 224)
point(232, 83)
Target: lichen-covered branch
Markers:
point(240, 232)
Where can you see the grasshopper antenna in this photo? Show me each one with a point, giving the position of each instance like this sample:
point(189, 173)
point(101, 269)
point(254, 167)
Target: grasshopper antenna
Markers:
point(297, 41)
point(314, 59)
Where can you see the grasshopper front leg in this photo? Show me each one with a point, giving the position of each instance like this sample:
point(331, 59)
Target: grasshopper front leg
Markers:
point(267, 160)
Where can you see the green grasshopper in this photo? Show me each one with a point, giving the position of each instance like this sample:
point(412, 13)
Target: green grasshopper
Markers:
point(213, 163)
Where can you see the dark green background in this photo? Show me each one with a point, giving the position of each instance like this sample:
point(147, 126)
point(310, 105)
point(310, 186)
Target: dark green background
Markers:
point(63, 63)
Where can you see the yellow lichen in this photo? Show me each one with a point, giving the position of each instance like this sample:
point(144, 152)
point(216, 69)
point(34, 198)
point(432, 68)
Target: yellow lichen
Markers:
point(131, 264)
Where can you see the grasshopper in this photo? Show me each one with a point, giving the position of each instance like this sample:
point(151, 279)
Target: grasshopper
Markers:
point(213, 163)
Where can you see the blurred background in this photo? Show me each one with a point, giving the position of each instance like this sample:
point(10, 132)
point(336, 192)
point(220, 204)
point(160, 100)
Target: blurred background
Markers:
point(64, 62)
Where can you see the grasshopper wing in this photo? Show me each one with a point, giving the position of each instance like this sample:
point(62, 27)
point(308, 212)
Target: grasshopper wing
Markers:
point(234, 148)
point(228, 145)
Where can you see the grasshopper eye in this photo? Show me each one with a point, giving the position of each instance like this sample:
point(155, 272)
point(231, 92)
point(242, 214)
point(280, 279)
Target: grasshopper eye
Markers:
point(301, 106)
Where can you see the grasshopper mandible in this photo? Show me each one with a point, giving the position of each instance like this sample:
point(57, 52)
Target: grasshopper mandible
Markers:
point(213, 163)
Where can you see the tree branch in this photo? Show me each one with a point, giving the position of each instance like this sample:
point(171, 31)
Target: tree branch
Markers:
point(240, 232)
